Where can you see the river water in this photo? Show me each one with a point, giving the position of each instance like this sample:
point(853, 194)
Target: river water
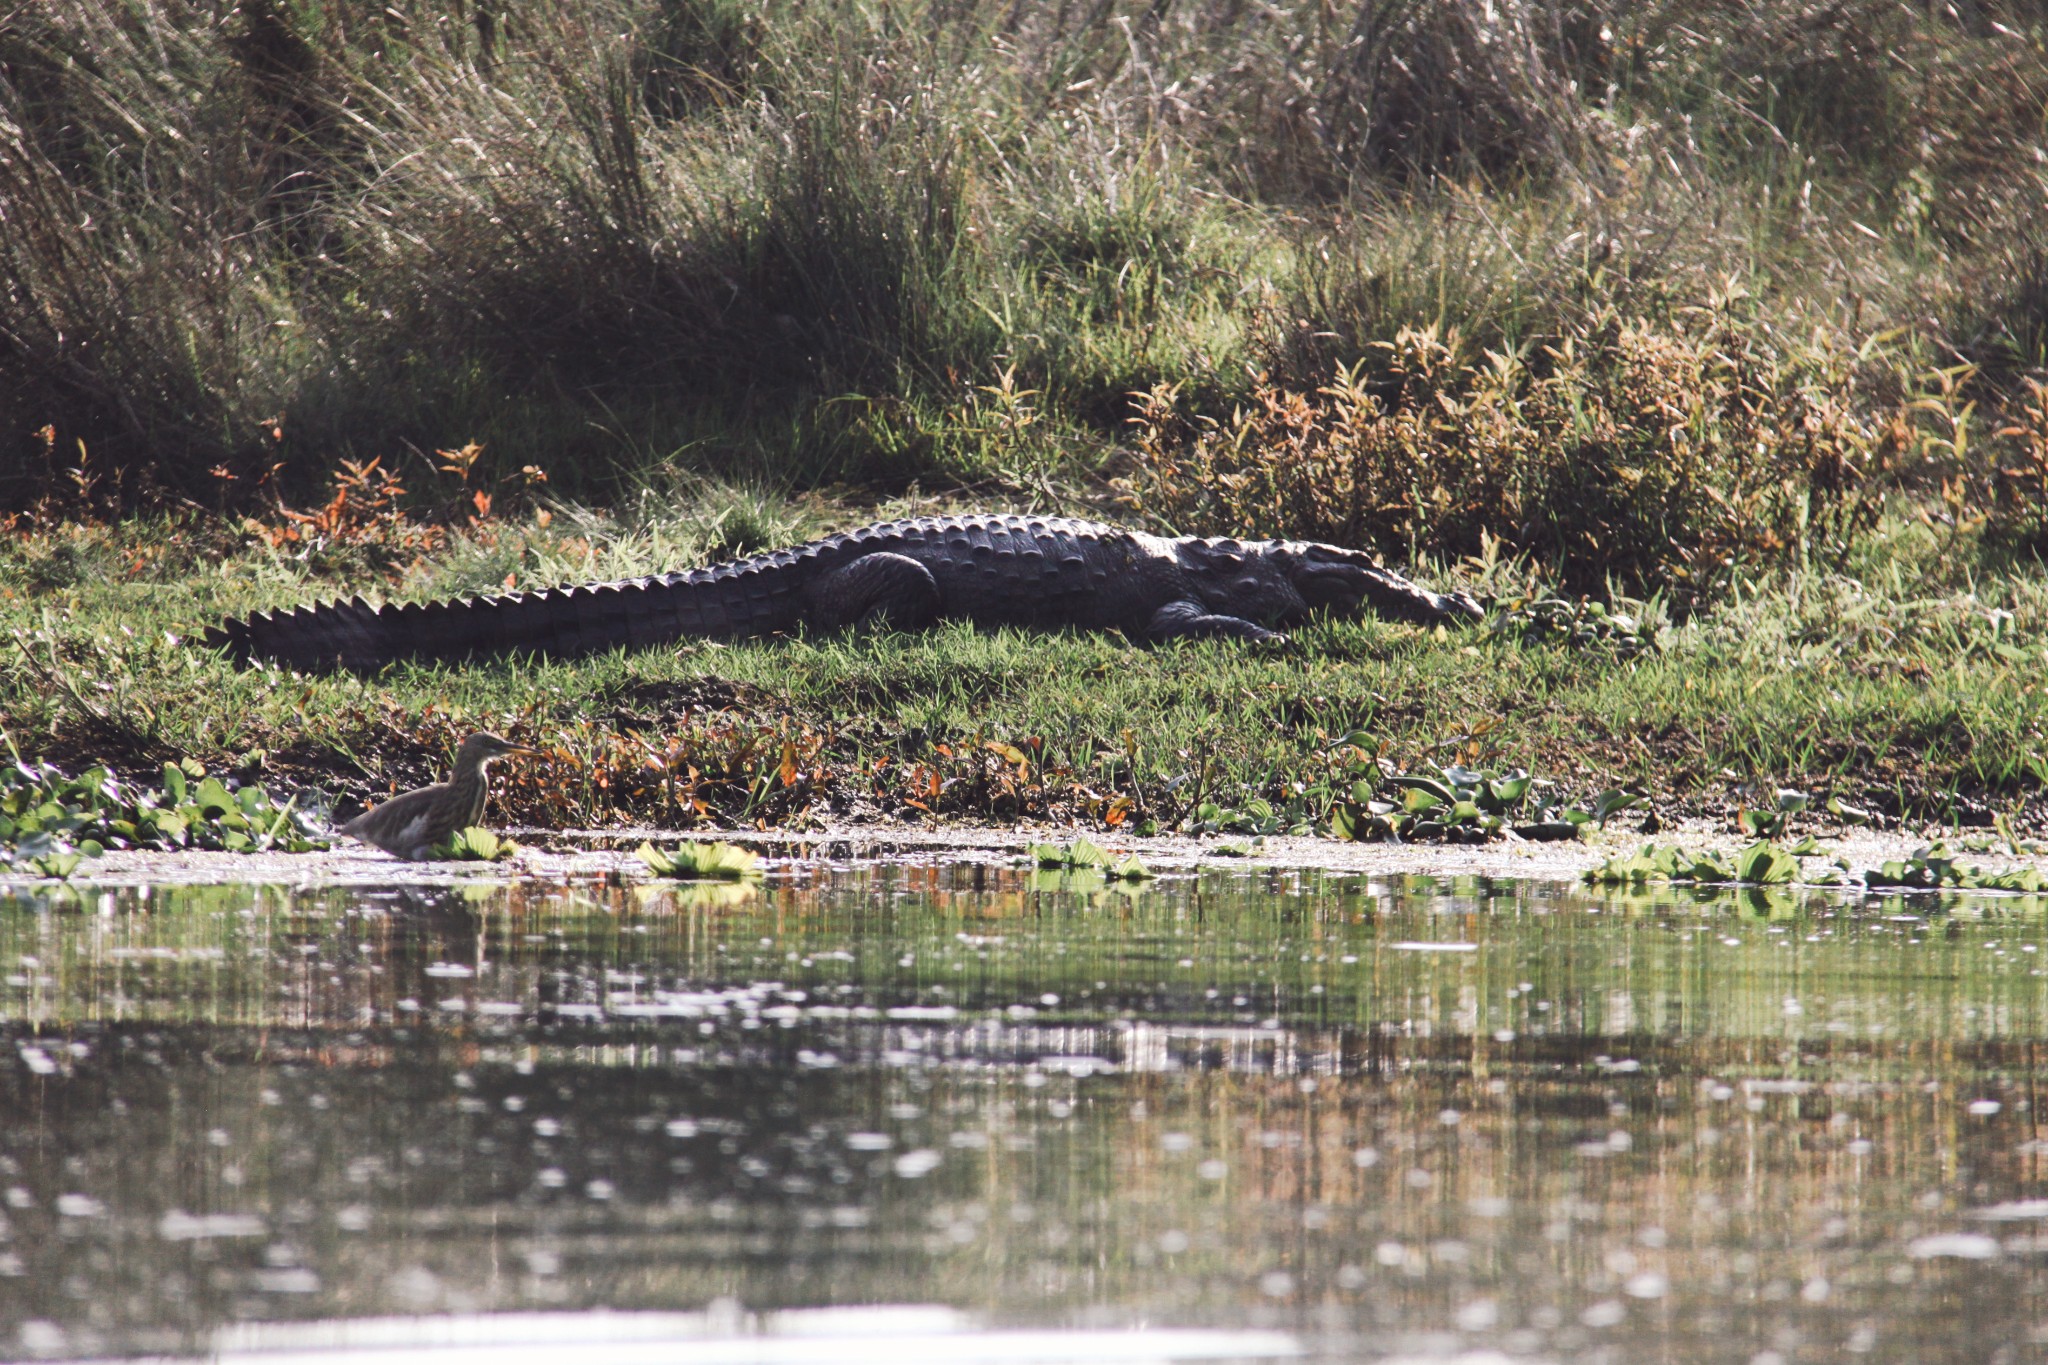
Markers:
point(949, 1111)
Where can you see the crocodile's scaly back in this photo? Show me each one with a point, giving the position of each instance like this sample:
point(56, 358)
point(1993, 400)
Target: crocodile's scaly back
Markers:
point(1040, 566)
point(1047, 572)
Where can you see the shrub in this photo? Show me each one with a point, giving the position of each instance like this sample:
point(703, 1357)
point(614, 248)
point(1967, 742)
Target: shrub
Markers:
point(799, 242)
point(1660, 457)
point(2018, 520)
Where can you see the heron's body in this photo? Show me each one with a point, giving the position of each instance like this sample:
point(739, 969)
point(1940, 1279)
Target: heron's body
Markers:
point(412, 824)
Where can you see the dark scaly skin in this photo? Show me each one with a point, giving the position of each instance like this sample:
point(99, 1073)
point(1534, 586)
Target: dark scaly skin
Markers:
point(1049, 573)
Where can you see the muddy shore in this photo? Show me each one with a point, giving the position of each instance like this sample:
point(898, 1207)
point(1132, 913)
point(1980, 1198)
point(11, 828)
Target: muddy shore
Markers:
point(582, 854)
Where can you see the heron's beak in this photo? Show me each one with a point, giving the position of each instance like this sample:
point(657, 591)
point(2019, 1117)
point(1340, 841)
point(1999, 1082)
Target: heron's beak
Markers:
point(512, 752)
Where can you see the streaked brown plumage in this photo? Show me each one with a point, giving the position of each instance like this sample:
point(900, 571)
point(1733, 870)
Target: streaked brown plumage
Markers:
point(412, 823)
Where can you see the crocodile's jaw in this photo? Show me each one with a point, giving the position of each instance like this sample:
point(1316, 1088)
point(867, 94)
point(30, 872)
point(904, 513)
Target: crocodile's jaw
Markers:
point(1352, 583)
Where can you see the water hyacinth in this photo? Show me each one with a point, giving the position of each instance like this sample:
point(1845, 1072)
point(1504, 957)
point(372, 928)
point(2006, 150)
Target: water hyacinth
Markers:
point(1083, 856)
point(49, 820)
point(701, 862)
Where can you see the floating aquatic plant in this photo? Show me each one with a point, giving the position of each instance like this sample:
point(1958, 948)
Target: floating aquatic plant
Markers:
point(49, 819)
point(702, 861)
point(476, 845)
point(1767, 864)
point(1082, 855)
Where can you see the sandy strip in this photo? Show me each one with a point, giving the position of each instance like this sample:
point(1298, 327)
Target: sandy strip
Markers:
point(559, 855)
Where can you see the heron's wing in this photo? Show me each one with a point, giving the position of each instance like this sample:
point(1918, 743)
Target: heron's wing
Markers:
point(410, 818)
point(413, 833)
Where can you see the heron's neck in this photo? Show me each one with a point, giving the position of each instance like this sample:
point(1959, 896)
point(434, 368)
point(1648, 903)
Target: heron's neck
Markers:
point(469, 787)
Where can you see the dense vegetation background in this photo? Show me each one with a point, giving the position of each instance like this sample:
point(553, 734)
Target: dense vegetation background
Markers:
point(1648, 289)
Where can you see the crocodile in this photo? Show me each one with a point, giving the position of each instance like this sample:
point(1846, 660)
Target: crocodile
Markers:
point(991, 569)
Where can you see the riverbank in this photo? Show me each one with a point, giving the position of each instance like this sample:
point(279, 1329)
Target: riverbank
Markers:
point(571, 856)
point(1903, 694)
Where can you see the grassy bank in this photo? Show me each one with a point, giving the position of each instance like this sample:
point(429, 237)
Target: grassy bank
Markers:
point(1911, 691)
point(1700, 270)
point(1733, 318)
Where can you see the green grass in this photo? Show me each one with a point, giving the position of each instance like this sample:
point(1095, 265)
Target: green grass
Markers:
point(1650, 297)
point(848, 243)
point(1915, 689)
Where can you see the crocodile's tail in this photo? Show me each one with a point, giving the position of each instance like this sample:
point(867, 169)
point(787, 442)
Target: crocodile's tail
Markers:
point(559, 622)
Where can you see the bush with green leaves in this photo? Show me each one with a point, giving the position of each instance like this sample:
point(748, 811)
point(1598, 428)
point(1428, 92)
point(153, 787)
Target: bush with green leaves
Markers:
point(49, 820)
point(1656, 454)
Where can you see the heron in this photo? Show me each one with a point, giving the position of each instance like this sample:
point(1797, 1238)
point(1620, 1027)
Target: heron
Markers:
point(412, 824)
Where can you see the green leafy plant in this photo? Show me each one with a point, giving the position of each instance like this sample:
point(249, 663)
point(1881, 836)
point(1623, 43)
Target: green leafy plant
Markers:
point(1583, 623)
point(46, 858)
point(702, 861)
point(1465, 805)
point(96, 811)
point(1607, 803)
point(1770, 823)
point(1653, 863)
point(1759, 864)
point(476, 844)
point(1083, 855)
point(1080, 853)
point(2027, 879)
point(57, 865)
point(1935, 867)
point(1762, 864)
point(1254, 815)
point(1767, 864)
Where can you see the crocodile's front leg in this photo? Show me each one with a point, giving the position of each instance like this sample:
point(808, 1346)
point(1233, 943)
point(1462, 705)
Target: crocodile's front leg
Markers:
point(873, 590)
point(1186, 620)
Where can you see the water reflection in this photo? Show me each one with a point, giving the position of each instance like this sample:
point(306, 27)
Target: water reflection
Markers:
point(1371, 1117)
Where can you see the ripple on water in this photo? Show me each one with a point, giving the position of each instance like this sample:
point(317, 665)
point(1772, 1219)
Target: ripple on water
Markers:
point(1337, 1118)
